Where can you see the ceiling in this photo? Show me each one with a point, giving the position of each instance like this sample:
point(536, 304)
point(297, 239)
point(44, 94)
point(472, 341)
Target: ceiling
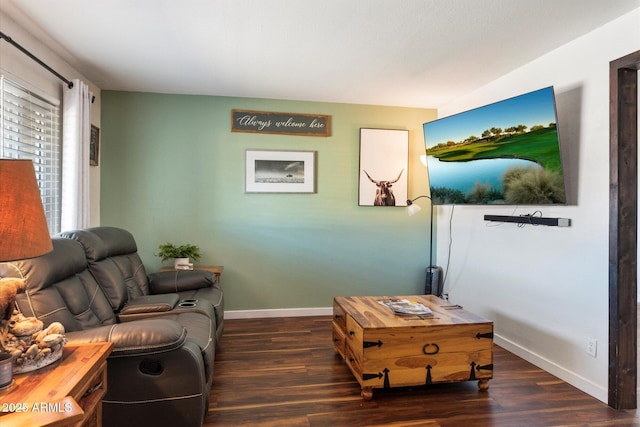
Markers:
point(414, 53)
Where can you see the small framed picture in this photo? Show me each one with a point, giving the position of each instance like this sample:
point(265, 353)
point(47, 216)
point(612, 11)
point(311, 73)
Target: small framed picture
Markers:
point(94, 146)
point(271, 171)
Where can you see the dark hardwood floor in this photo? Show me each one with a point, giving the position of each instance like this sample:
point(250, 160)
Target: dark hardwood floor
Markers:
point(283, 372)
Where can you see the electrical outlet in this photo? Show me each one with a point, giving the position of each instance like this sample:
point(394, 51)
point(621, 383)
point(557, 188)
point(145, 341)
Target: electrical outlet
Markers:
point(592, 347)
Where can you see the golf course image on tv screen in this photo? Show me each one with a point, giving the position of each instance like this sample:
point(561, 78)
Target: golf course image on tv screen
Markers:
point(507, 152)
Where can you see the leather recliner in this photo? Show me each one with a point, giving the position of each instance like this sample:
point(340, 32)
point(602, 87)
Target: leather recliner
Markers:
point(114, 261)
point(160, 369)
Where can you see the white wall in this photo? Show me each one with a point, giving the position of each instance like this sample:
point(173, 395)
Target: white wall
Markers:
point(546, 288)
point(21, 69)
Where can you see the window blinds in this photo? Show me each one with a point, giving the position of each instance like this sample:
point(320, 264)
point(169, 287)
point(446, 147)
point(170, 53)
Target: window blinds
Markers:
point(30, 129)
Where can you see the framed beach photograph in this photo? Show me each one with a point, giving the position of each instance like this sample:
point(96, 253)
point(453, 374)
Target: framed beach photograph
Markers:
point(384, 160)
point(271, 171)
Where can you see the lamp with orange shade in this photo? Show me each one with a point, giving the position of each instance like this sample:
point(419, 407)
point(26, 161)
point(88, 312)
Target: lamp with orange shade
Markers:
point(23, 225)
point(23, 234)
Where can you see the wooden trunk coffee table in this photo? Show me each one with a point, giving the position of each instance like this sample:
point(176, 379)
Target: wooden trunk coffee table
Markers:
point(386, 350)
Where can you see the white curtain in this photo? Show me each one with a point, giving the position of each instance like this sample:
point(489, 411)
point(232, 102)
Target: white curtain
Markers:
point(76, 129)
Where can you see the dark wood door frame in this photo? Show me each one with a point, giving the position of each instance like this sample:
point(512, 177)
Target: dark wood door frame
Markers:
point(623, 212)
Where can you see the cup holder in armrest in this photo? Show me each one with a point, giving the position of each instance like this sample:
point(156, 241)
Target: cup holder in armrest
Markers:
point(189, 300)
point(186, 304)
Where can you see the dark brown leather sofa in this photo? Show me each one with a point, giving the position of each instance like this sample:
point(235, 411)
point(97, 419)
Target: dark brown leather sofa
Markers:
point(112, 254)
point(161, 368)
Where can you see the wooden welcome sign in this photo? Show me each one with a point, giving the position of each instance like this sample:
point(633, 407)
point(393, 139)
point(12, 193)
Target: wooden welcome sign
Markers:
point(280, 123)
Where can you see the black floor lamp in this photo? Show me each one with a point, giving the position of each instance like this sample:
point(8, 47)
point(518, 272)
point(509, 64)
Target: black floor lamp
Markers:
point(433, 282)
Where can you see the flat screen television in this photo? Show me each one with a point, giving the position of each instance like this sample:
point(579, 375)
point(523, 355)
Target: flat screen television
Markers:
point(507, 152)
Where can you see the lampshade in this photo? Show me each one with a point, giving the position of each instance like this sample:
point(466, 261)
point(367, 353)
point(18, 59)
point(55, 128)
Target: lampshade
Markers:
point(23, 225)
point(413, 209)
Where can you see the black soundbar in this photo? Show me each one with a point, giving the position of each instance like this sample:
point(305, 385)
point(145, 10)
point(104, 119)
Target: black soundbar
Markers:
point(528, 219)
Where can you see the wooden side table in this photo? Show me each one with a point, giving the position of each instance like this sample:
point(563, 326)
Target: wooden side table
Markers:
point(215, 269)
point(67, 392)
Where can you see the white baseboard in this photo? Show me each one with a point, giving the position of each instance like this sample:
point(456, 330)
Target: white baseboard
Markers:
point(564, 374)
point(279, 312)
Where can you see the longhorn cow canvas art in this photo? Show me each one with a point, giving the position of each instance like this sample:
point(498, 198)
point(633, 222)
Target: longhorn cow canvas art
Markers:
point(384, 158)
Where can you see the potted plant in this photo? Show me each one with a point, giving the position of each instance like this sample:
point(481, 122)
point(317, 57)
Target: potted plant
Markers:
point(181, 254)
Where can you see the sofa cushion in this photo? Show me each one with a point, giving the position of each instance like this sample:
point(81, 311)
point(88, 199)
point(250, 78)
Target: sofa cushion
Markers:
point(114, 262)
point(66, 259)
point(103, 242)
point(59, 289)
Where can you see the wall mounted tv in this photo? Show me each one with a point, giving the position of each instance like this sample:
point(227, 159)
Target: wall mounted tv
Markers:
point(503, 153)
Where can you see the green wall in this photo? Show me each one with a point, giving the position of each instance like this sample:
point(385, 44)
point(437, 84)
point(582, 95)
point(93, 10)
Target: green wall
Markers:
point(171, 170)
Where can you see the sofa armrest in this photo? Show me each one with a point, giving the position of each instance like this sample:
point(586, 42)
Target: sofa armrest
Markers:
point(134, 338)
point(156, 375)
point(163, 282)
point(151, 304)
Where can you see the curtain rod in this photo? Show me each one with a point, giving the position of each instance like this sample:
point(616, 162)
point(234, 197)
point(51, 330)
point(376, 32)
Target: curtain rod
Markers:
point(32, 56)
